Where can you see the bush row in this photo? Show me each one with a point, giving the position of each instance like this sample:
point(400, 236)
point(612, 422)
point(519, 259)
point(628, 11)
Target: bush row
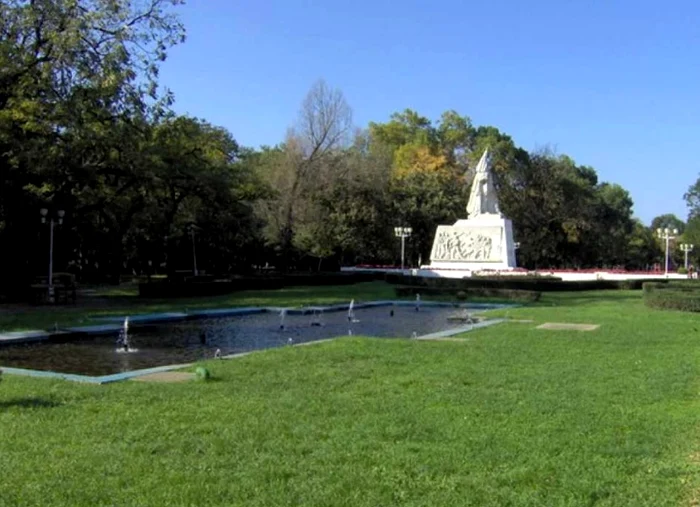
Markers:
point(677, 295)
point(465, 294)
point(533, 283)
point(194, 287)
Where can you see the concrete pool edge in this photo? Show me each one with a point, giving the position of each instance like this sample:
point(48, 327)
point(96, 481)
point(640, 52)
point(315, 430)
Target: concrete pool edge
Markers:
point(34, 336)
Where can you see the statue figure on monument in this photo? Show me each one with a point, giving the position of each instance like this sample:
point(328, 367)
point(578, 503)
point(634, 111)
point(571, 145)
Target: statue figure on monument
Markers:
point(482, 197)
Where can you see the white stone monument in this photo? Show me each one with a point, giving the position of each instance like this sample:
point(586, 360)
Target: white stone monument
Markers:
point(484, 240)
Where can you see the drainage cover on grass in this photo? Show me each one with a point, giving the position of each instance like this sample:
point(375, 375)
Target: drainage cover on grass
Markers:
point(166, 376)
point(568, 327)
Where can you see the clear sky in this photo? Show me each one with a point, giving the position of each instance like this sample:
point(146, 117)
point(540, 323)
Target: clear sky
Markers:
point(614, 84)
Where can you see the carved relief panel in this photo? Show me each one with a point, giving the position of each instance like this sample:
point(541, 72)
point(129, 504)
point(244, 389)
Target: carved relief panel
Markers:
point(467, 245)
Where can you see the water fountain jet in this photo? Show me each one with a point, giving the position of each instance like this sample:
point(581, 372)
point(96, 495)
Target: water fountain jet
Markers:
point(283, 314)
point(123, 340)
point(351, 312)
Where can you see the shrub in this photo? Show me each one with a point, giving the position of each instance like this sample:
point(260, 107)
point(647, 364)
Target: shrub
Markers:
point(680, 295)
point(465, 294)
point(682, 271)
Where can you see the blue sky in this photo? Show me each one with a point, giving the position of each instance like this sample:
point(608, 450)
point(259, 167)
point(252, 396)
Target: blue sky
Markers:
point(614, 84)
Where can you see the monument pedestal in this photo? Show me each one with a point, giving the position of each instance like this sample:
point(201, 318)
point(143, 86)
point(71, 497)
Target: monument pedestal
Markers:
point(484, 242)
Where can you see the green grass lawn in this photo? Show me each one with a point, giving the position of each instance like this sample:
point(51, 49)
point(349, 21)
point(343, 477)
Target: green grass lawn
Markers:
point(510, 415)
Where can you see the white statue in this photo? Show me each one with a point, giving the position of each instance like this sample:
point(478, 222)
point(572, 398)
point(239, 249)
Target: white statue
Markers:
point(483, 241)
point(482, 197)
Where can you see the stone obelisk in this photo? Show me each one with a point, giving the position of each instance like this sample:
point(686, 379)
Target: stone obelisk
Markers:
point(483, 241)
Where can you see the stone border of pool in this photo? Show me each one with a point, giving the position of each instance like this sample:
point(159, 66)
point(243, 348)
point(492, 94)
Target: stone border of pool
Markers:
point(161, 318)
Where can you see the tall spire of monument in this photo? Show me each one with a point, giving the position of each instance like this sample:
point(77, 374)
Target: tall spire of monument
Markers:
point(482, 197)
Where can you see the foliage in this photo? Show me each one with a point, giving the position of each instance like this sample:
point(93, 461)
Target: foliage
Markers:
point(668, 221)
point(303, 172)
point(78, 82)
point(490, 293)
point(85, 127)
point(643, 248)
point(684, 296)
point(692, 200)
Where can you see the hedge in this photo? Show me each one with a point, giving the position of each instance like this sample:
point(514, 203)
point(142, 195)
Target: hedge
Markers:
point(684, 296)
point(494, 293)
point(533, 283)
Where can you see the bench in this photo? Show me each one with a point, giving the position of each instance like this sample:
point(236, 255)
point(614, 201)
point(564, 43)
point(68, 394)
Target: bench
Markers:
point(64, 289)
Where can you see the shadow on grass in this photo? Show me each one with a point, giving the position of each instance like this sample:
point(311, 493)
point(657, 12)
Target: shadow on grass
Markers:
point(29, 403)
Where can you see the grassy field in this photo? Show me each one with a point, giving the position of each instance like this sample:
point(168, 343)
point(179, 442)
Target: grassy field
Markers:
point(510, 415)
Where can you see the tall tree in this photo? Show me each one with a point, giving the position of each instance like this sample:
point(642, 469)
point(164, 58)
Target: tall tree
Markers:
point(70, 71)
point(301, 171)
point(642, 248)
point(692, 199)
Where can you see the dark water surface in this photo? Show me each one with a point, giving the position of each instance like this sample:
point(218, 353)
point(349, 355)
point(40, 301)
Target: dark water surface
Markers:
point(181, 342)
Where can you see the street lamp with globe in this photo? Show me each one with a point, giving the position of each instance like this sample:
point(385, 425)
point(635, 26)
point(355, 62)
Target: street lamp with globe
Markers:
point(686, 248)
point(666, 234)
point(403, 233)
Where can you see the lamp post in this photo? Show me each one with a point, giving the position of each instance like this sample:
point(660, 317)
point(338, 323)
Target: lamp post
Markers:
point(194, 250)
point(686, 248)
point(666, 234)
point(403, 233)
point(57, 219)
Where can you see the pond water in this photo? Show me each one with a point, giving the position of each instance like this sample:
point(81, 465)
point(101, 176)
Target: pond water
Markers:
point(194, 340)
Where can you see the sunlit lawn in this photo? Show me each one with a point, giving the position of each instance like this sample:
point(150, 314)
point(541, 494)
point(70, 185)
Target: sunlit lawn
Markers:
point(511, 415)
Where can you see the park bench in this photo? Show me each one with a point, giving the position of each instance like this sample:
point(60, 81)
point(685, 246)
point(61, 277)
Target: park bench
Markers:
point(64, 287)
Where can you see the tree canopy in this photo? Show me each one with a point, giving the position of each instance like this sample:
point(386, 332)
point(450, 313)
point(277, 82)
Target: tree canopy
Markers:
point(86, 127)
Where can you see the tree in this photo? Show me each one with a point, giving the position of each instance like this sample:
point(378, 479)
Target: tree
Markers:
point(668, 220)
point(692, 199)
point(301, 171)
point(642, 247)
point(403, 128)
point(612, 225)
point(691, 235)
point(456, 137)
point(74, 76)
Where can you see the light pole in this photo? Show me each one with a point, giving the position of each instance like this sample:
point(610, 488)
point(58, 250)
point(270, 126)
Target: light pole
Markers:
point(58, 219)
point(403, 233)
point(194, 250)
point(667, 235)
point(685, 247)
